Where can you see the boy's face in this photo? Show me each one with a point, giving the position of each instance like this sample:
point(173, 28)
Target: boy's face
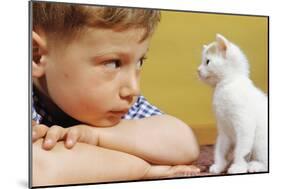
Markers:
point(95, 79)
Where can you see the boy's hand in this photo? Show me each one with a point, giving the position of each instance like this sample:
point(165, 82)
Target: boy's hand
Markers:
point(51, 135)
point(38, 131)
point(166, 171)
point(72, 135)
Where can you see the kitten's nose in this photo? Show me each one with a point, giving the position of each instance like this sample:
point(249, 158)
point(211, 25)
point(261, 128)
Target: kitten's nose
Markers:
point(198, 70)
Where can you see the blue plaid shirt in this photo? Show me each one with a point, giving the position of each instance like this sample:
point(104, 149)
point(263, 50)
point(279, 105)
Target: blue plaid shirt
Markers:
point(140, 109)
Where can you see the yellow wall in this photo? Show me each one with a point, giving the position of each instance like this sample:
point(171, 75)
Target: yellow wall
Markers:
point(169, 77)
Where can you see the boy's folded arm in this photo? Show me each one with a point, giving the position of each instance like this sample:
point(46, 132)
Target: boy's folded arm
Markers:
point(84, 163)
point(159, 140)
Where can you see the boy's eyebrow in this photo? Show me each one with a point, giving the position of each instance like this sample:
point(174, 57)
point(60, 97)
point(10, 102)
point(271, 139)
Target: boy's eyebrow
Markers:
point(145, 53)
point(123, 54)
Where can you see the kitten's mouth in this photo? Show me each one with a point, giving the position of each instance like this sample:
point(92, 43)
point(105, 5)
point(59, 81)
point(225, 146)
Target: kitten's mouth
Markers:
point(202, 77)
point(207, 77)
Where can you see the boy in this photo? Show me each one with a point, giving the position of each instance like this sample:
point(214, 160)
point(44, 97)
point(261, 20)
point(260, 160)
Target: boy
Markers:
point(86, 68)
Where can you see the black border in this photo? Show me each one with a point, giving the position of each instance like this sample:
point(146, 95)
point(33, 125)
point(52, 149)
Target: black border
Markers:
point(29, 94)
point(112, 182)
point(145, 180)
point(155, 8)
point(268, 99)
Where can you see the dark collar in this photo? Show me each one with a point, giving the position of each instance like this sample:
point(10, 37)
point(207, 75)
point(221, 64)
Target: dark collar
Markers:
point(51, 114)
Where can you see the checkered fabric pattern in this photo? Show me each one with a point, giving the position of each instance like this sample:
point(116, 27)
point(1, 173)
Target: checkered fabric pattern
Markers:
point(35, 116)
point(140, 109)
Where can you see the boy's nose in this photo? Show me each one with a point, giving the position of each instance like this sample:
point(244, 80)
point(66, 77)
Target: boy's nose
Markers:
point(130, 88)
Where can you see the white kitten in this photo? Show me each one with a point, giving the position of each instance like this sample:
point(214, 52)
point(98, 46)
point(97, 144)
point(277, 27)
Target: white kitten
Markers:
point(240, 109)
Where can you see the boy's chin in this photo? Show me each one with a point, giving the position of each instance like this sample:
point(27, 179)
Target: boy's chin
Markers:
point(108, 122)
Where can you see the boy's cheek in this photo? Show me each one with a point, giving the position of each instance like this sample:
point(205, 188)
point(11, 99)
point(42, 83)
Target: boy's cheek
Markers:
point(96, 114)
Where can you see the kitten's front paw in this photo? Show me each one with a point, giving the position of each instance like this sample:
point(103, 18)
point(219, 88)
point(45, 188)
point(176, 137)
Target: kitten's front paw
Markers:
point(216, 169)
point(255, 166)
point(238, 168)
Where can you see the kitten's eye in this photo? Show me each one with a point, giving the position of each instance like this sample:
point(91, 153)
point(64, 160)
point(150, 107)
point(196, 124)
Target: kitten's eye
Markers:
point(208, 61)
point(113, 64)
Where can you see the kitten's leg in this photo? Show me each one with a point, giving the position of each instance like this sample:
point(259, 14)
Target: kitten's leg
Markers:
point(221, 149)
point(259, 159)
point(245, 132)
point(257, 166)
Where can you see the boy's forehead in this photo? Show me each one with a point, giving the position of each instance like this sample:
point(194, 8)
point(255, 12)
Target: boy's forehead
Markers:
point(131, 35)
point(112, 40)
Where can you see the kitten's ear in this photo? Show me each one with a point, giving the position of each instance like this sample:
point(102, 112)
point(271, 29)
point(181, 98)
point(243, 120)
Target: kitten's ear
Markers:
point(222, 43)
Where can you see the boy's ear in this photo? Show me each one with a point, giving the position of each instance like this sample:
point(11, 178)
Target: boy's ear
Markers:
point(222, 43)
point(39, 49)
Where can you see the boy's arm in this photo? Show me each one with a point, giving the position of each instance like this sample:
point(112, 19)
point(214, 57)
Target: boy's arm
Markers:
point(84, 163)
point(160, 139)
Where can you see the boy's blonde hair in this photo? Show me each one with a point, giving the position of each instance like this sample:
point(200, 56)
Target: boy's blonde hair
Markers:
point(63, 21)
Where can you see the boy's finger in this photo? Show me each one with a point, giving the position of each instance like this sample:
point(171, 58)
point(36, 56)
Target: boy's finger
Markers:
point(39, 131)
point(72, 137)
point(53, 135)
point(33, 123)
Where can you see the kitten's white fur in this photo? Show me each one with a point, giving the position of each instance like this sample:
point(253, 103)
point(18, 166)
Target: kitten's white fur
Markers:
point(240, 109)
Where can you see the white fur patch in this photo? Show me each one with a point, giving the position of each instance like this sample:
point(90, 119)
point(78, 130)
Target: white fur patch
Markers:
point(240, 109)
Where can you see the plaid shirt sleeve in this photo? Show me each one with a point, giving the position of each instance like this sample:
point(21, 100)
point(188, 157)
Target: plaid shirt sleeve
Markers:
point(141, 109)
point(35, 116)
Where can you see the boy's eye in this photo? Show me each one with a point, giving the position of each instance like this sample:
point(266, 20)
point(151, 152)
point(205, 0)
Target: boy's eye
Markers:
point(113, 64)
point(140, 63)
point(208, 61)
